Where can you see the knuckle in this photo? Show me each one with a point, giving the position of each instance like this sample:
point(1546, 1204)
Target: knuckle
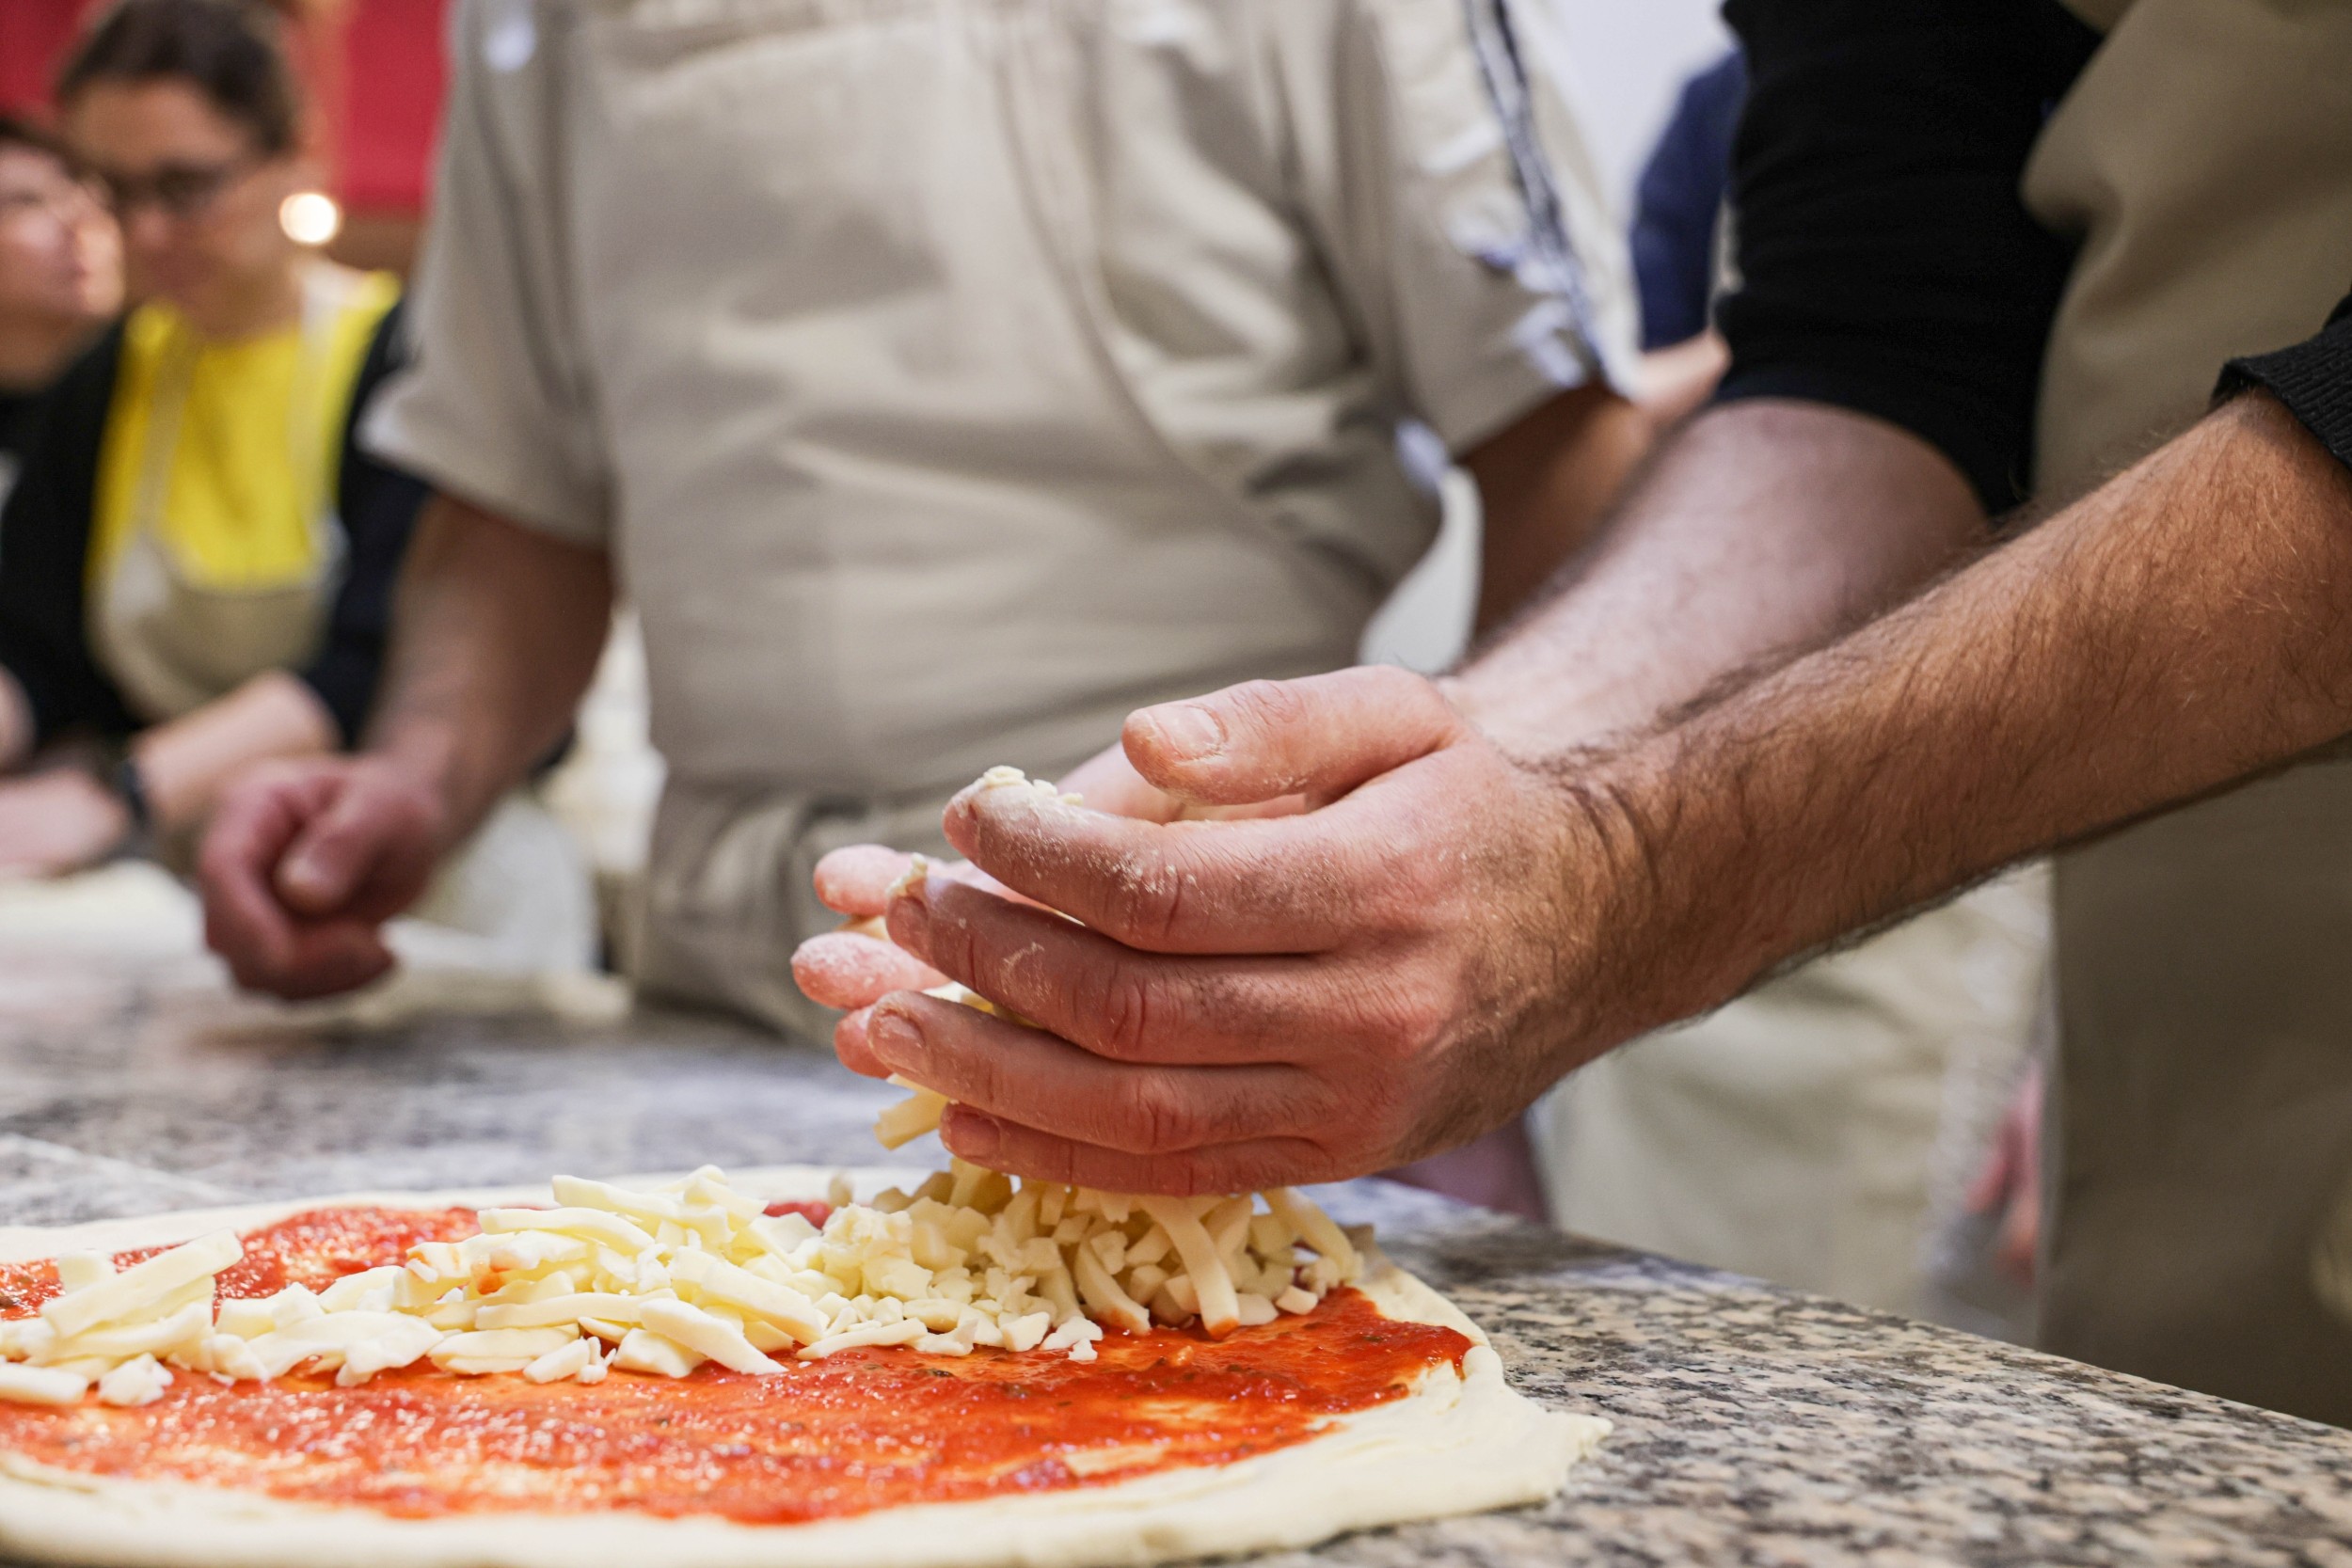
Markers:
point(1175, 1174)
point(1270, 706)
point(1158, 1118)
point(1397, 1019)
point(955, 949)
point(1045, 1158)
point(979, 1076)
point(1124, 1014)
point(1150, 906)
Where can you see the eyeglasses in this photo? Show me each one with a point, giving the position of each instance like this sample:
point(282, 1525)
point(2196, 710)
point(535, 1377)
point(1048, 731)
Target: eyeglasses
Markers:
point(63, 198)
point(176, 190)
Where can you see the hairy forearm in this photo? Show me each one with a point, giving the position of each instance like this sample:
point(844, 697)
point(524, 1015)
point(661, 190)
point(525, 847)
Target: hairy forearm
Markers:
point(1761, 528)
point(2187, 626)
point(496, 635)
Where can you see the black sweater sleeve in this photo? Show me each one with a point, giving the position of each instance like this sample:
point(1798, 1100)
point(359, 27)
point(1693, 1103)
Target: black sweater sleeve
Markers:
point(1887, 262)
point(2313, 379)
point(378, 504)
point(44, 543)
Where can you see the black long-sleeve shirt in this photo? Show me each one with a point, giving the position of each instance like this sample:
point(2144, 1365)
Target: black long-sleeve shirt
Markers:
point(1888, 262)
point(46, 540)
point(2313, 379)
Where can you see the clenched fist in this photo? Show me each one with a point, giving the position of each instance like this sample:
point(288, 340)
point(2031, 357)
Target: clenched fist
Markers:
point(304, 863)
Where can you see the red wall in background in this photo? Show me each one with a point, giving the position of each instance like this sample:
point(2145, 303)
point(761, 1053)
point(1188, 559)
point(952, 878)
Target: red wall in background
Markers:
point(373, 69)
point(33, 34)
point(393, 52)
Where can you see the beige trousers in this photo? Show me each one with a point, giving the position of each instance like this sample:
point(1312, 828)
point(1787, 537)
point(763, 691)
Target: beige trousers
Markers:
point(1821, 1131)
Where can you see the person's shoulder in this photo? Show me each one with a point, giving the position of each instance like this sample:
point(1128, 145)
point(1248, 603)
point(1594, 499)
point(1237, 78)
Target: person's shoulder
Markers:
point(96, 364)
point(77, 401)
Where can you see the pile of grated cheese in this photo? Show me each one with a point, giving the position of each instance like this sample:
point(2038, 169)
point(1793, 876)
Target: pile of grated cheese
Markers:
point(658, 1282)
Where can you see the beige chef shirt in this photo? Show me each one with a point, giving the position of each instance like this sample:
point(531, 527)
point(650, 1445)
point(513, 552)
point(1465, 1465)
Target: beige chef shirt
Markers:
point(949, 377)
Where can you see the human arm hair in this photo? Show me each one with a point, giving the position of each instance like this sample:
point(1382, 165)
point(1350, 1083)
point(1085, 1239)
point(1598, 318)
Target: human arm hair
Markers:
point(1759, 529)
point(2184, 627)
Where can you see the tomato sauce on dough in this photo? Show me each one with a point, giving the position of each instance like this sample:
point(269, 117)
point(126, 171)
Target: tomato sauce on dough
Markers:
point(861, 1430)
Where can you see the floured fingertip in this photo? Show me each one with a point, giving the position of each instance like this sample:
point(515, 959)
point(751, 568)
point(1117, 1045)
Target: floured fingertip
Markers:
point(844, 969)
point(856, 881)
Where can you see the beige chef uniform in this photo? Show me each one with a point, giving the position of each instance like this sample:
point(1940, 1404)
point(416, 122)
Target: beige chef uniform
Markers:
point(949, 377)
point(2202, 1131)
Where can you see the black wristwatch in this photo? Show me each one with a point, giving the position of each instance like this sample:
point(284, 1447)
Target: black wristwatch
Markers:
point(132, 790)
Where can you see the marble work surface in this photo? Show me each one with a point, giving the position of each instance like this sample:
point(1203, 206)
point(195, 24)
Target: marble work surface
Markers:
point(1754, 1426)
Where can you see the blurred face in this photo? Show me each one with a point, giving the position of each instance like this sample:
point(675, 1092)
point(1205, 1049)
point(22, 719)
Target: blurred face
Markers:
point(60, 266)
point(197, 196)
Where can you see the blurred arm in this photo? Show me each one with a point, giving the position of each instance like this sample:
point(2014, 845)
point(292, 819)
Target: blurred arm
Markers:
point(496, 631)
point(1543, 487)
point(183, 764)
point(1764, 527)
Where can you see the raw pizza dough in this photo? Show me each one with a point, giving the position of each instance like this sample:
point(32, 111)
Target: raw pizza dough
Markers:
point(1453, 1446)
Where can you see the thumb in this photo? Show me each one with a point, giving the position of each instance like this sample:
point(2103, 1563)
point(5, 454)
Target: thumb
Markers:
point(1320, 736)
point(333, 856)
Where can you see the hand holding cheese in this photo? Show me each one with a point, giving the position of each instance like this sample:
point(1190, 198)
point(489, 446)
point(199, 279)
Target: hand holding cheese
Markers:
point(1240, 1004)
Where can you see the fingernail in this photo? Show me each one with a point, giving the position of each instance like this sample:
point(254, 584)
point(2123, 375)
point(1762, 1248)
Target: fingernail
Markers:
point(896, 1038)
point(1008, 788)
point(909, 918)
point(304, 878)
point(970, 1136)
point(911, 883)
point(1188, 730)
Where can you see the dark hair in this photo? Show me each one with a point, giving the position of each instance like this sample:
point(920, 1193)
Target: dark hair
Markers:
point(228, 49)
point(17, 132)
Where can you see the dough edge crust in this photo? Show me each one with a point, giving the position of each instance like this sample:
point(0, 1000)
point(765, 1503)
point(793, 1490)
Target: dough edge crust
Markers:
point(1453, 1446)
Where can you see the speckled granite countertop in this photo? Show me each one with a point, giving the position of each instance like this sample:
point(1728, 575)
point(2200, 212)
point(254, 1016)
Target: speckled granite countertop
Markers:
point(1755, 1426)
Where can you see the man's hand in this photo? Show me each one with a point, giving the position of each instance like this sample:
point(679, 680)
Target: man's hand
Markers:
point(57, 821)
point(496, 633)
point(304, 863)
point(1251, 1003)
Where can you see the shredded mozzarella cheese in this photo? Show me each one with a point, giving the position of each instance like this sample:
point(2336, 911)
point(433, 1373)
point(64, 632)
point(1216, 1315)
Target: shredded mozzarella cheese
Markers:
point(697, 1272)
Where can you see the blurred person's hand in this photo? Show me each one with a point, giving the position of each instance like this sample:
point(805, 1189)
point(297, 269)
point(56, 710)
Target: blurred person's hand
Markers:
point(2009, 1185)
point(306, 861)
point(1239, 1004)
point(57, 821)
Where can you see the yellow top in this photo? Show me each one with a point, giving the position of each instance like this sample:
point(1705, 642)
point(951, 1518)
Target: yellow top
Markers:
point(234, 492)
